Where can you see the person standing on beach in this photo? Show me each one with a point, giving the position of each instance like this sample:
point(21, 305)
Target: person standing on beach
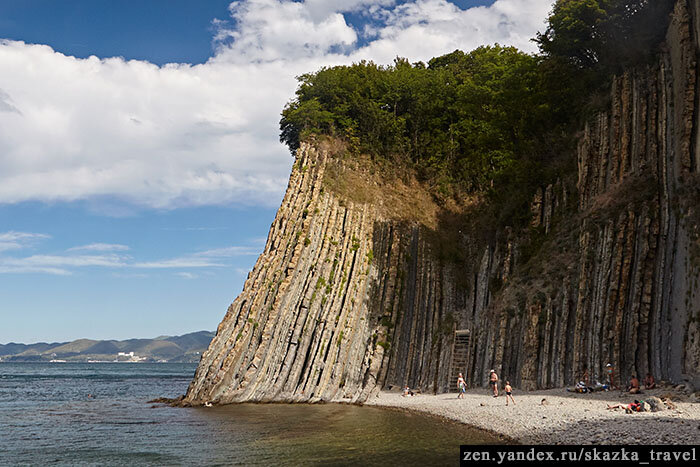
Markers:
point(493, 381)
point(611, 375)
point(585, 377)
point(461, 385)
point(509, 393)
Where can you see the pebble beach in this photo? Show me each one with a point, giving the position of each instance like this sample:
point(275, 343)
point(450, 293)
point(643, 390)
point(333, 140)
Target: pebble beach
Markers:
point(563, 417)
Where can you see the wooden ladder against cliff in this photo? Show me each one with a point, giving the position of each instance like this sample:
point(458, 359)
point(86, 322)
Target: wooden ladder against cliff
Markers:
point(460, 355)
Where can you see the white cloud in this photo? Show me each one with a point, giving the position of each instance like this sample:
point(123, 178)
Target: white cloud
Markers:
point(229, 251)
point(77, 136)
point(271, 30)
point(58, 264)
point(6, 103)
point(186, 275)
point(33, 269)
point(130, 275)
point(188, 135)
point(426, 28)
point(194, 229)
point(201, 259)
point(108, 256)
point(18, 240)
point(179, 263)
point(319, 9)
point(61, 261)
point(100, 247)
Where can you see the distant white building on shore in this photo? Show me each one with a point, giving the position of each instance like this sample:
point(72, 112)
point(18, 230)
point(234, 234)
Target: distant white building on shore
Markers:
point(129, 357)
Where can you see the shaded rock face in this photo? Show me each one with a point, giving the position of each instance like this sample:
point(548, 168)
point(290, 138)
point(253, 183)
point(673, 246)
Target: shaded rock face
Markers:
point(346, 299)
point(626, 293)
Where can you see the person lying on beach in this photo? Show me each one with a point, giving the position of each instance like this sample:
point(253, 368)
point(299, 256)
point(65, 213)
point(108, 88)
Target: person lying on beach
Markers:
point(599, 387)
point(509, 393)
point(580, 388)
point(633, 387)
point(649, 382)
point(629, 408)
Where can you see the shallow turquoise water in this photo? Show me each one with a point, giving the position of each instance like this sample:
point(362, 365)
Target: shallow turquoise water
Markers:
point(46, 416)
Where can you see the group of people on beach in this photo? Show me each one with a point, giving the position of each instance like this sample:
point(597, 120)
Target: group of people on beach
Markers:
point(493, 382)
point(634, 386)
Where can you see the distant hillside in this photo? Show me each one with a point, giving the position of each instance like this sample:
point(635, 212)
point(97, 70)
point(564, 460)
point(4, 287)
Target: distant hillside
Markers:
point(185, 348)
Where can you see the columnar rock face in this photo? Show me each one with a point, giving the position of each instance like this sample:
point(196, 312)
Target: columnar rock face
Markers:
point(338, 291)
point(300, 330)
point(349, 296)
point(626, 293)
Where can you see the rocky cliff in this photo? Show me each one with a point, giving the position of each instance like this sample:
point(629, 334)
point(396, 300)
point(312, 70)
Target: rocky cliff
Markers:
point(319, 315)
point(366, 283)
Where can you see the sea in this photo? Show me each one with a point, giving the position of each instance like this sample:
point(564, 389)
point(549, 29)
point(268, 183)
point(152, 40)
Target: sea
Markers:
point(99, 414)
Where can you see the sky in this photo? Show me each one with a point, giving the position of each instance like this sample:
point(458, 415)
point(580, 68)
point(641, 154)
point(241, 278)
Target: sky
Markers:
point(140, 163)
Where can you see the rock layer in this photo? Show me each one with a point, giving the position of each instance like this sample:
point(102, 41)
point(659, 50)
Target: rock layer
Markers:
point(348, 297)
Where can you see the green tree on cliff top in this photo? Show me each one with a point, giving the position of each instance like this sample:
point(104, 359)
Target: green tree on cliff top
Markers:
point(492, 120)
point(608, 35)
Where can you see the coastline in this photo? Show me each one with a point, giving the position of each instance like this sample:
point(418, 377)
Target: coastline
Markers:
point(566, 418)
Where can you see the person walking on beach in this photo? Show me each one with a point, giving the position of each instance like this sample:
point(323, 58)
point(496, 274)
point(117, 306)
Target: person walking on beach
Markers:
point(493, 381)
point(509, 393)
point(461, 385)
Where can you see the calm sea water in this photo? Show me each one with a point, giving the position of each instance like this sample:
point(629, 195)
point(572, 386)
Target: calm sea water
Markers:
point(47, 417)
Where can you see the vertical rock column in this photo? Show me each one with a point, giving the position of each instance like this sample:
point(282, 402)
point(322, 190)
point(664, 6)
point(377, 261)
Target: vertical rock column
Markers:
point(299, 331)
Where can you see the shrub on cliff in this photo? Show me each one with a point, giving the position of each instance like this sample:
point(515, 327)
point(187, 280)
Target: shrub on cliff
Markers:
point(463, 117)
point(605, 35)
point(494, 120)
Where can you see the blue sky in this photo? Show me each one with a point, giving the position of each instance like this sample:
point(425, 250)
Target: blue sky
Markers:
point(160, 31)
point(139, 162)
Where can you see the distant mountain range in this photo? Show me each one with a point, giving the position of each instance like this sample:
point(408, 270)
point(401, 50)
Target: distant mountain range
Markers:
point(185, 348)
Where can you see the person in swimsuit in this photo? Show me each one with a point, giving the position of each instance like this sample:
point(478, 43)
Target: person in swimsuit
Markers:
point(629, 408)
point(493, 381)
point(611, 375)
point(585, 377)
point(509, 393)
point(633, 387)
point(461, 385)
point(649, 382)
